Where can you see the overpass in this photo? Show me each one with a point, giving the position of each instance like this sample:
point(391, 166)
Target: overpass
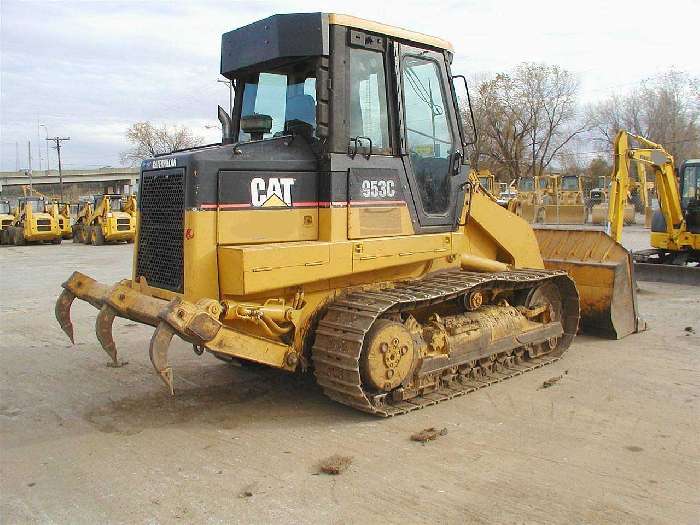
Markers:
point(75, 182)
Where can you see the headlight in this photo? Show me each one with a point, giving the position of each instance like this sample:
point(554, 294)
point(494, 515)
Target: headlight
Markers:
point(109, 215)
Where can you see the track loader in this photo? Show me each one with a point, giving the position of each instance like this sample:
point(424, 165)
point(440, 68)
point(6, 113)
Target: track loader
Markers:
point(6, 219)
point(105, 220)
point(336, 228)
point(32, 222)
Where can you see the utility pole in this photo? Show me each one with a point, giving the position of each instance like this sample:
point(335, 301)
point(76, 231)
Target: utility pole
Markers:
point(38, 144)
point(16, 156)
point(29, 171)
point(229, 83)
point(58, 141)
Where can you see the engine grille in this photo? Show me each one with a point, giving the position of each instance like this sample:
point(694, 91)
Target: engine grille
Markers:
point(123, 224)
point(160, 248)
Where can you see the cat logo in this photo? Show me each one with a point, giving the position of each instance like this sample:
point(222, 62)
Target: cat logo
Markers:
point(275, 192)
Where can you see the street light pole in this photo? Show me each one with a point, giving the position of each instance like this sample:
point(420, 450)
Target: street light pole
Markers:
point(46, 130)
point(58, 141)
point(229, 83)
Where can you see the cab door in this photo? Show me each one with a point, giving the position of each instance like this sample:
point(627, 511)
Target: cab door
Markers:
point(431, 149)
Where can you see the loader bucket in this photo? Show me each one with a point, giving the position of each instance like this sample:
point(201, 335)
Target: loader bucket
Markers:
point(604, 276)
point(565, 214)
point(599, 214)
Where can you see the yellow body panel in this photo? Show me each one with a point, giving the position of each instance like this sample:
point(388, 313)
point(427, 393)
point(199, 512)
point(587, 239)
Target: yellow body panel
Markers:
point(266, 226)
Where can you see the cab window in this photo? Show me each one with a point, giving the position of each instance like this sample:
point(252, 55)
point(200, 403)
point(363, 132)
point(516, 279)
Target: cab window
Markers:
point(428, 134)
point(368, 102)
point(286, 95)
point(691, 184)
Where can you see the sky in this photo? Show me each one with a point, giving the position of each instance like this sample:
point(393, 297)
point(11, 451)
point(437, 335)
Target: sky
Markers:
point(88, 70)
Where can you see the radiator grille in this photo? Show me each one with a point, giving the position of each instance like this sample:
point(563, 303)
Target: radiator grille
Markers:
point(160, 248)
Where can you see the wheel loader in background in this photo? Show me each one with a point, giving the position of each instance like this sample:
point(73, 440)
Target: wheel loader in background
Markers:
point(336, 228)
point(675, 228)
point(106, 219)
point(528, 201)
point(563, 200)
point(6, 219)
point(32, 223)
point(60, 211)
point(82, 219)
point(600, 204)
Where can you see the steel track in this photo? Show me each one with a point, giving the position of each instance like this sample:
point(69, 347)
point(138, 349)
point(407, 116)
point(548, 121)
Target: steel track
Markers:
point(341, 332)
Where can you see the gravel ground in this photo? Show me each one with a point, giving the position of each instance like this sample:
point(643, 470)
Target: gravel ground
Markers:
point(615, 440)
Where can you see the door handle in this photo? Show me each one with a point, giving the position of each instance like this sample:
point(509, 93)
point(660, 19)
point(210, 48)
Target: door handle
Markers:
point(457, 163)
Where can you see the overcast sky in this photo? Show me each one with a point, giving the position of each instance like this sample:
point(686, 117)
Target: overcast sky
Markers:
point(88, 70)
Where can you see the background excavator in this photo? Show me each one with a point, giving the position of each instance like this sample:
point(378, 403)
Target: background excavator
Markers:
point(675, 228)
point(337, 228)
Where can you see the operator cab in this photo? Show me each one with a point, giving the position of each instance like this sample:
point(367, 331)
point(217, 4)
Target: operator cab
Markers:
point(38, 203)
point(526, 184)
point(690, 193)
point(569, 183)
point(5, 207)
point(115, 201)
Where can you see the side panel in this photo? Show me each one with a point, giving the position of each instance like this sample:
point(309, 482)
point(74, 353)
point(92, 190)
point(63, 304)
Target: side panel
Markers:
point(263, 207)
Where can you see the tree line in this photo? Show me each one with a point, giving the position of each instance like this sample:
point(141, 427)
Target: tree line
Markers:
point(530, 121)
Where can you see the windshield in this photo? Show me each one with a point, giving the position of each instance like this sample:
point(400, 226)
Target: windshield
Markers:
point(526, 184)
point(286, 94)
point(542, 183)
point(4, 207)
point(38, 205)
point(115, 203)
point(691, 184)
point(569, 183)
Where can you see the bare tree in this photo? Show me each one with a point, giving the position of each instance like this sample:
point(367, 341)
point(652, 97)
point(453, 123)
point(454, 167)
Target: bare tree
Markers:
point(527, 119)
point(148, 141)
point(665, 110)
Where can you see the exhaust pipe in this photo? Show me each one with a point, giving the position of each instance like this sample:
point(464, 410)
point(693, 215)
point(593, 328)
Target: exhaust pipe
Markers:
point(226, 127)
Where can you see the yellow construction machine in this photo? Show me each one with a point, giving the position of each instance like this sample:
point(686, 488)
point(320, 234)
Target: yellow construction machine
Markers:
point(563, 200)
point(487, 181)
point(106, 219)
point(32, 222)
point(327, 233)
point(600, 207)
point(82, 218)
point(528, 201)
point(6, 219)
point(675, 228)
point(60, 211)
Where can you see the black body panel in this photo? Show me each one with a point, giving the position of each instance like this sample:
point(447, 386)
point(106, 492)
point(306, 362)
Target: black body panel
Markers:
point(274, 39)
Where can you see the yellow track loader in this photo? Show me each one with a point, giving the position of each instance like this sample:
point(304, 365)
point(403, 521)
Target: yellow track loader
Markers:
point(33, 222)
point(104, 219)
point(6, 219)
point(337, 228)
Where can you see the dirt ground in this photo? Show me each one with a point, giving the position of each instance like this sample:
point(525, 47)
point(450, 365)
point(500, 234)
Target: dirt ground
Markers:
point(614, 441)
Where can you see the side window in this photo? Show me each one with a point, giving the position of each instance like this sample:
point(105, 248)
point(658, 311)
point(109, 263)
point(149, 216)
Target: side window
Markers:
point(368, 102)
point(428, 134)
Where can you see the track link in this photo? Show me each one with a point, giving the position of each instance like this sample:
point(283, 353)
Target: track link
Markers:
point(341, 333)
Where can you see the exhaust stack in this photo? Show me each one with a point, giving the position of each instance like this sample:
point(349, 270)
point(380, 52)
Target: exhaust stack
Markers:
point(226, 127)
